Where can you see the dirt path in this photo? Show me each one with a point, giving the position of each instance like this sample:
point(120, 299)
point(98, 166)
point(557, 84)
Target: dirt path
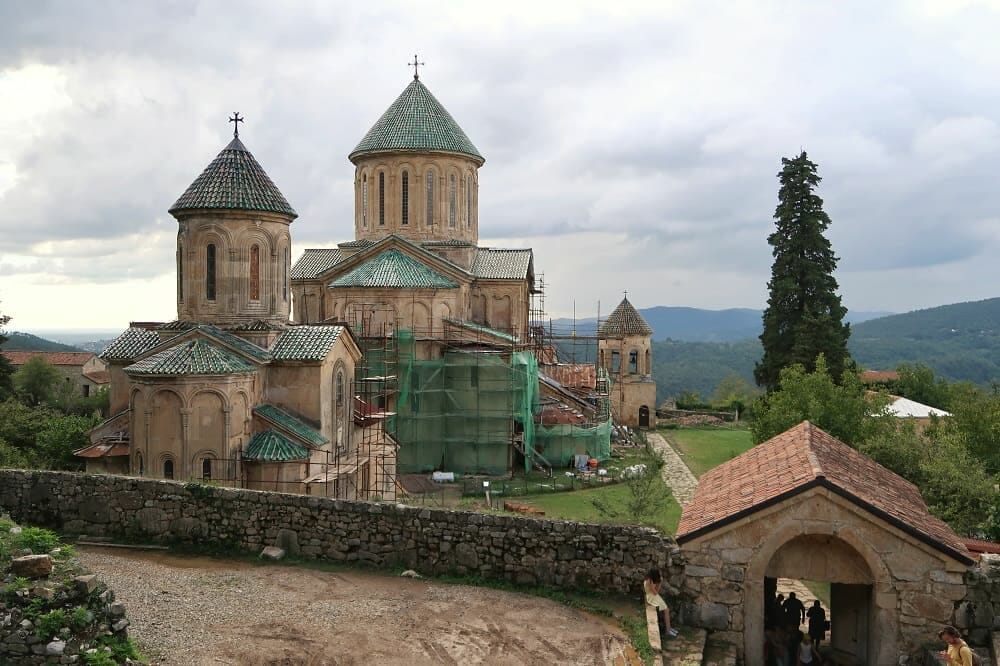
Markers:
point(675, 471)
point(204, 611)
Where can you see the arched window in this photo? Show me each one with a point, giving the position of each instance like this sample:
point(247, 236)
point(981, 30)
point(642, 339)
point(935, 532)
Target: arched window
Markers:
point(180, 272)
point(364, 200)
point(451, 201)
point(138, 463)
point(284, 277)
point(210, 272)
point(168, 469)
point(340, 408)
point(255, 273)
point(468, 201)
point(405, 199)
point(430, 198)
point(206, 469)
point(633, 362)
point(381, 198)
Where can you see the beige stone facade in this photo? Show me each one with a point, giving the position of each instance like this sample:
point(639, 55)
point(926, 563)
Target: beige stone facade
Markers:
point(624, 351)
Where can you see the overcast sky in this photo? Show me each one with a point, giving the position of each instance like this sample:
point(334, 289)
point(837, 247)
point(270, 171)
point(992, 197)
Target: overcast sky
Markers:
point(632, 145)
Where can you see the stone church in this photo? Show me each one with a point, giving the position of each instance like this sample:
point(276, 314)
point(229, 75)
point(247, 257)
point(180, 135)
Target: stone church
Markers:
point(411, 344)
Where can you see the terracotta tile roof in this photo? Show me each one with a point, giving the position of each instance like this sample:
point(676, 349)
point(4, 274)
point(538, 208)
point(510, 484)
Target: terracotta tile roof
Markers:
point(103, 450)
point(501, 264)
point(978, 547)
point(416, 121)
point(234, 180)
point(99, 376)
point(625, 320)
point(573, 375)
point(878, 376)
point(801, 458)
point(52, 358)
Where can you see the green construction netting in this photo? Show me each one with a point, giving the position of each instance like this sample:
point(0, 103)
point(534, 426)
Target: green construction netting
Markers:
point(461, 412)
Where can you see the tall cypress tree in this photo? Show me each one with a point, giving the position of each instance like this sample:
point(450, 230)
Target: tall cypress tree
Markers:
point(804, 316)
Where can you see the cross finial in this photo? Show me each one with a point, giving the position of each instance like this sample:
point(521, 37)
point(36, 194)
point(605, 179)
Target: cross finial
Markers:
point(236, 120)
point(415, 64)
point(626, 294)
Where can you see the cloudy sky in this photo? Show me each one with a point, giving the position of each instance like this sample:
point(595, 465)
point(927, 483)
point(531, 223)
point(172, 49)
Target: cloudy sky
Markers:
point(632, 145)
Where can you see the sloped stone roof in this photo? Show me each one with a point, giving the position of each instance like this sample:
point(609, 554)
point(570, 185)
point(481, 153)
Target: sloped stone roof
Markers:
point(271, 446)
point(234, 180)
point(416, 122)
point(292, 424)
point(305, 343)
point(315, 262)
point(394, 269)
point(801, 458)
point(20, 357)
point(192, 357)
point(132, 342)
point(625, 320)
point(501, 264)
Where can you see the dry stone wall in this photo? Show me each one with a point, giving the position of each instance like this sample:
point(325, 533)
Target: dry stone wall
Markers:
point(606, 558)
point(977, 614)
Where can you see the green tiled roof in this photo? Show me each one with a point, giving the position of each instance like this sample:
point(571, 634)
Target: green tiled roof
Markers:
point(479, 328)
point(234, 180)
point(315, 262)
point(361, 242)
point(131, 343)
point(292, 424)
point(270, 446)
point(392, 268)
point(416, 121)
point(236, 342)
point(451, 242)
point(258, 325)
point(192, 357)
point(305, 343)
point(625, 320)
point(499, 264)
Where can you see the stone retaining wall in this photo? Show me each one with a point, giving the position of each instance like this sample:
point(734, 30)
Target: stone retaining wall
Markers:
point(607, 558)
point(978, 613)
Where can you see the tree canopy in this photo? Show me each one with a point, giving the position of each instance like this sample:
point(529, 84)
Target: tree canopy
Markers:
point(6, 369)
point(804, 315)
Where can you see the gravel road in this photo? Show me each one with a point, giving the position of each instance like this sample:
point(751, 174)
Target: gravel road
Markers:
point(196, 610)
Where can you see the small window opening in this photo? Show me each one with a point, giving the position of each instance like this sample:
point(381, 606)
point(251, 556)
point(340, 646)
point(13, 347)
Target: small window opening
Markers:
point(616, 361)
point(633, 362)
point(405, 199)
point(364, 200)
point(430, 198)
point(206, 469)
point(451, 201)
point(255, 273)
point(168, 469)
point(210, 272)
point(381, 199)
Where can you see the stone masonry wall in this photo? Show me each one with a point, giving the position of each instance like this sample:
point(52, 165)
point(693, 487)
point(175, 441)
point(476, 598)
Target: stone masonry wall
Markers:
point(978, 613)
point(607, 558)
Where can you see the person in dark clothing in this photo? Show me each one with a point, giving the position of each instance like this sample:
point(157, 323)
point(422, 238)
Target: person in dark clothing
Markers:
point(795, 612)
point(817, 622)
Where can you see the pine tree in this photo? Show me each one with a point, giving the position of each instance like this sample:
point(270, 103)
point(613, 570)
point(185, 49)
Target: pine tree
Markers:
point(804, 316)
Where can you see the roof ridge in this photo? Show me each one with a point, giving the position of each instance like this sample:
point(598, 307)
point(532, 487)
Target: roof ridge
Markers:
point(814, 463)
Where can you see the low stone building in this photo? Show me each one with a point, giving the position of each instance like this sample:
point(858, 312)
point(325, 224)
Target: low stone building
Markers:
point(84, 370)
point(804, 505)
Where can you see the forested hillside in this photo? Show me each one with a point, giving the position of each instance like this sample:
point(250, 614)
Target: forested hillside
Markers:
point(28, 342)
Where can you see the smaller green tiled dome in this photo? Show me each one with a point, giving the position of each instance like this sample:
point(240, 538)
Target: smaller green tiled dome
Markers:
point(234, 180)
point(416, 122)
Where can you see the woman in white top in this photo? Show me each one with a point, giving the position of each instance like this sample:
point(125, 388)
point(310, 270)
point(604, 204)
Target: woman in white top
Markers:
point(807, 652)
point(651, 586)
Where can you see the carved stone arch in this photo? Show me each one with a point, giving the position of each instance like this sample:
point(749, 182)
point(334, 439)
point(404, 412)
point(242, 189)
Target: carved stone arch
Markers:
point(180, 395)
point(222, 235)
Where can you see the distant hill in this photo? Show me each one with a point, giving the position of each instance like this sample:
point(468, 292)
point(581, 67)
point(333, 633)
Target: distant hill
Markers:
point(27, 342)
point(960, 342)
point(694, 324)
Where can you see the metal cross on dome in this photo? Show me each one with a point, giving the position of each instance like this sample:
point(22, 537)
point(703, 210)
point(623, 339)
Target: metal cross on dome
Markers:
point(236, 120)
point(415, 64)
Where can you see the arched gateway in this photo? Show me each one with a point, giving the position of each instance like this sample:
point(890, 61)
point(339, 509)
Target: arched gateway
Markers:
point(806, 506)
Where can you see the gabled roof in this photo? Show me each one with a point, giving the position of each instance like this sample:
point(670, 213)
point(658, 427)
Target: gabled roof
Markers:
point(191, 357)
point(625, 320)
point(19, 357)
point(393, 268)
point(291, 424)
point(271, 446)
point(904, 408)
point(416, 122)
point(305, 343)
point(234, 180)
point(501, 264)
point(806, 457)
point(133, 342)
point(315, 262)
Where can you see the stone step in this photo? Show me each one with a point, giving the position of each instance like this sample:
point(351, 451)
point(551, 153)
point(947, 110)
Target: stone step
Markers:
point(719, 653)
point(688, 649)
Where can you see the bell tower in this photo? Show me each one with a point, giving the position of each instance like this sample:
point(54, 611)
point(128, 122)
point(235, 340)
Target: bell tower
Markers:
point(233, 243)
point(624, 349)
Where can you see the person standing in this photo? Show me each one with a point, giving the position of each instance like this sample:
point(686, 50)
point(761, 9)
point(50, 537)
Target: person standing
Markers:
point(795, 612)
point(817, 622)
point(958, 652)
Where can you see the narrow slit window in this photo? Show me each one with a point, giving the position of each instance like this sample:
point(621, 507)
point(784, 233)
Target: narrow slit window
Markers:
point(180, 272)
point(168, 469)
point(616, 361)
point(430, 198)
point(468, 201)
point(284, 277)
point(633, 362)
point(206, 469)
point(255, 273)
point(405, 199)
point(381, 199)
point(364, 200)
point(210, 272)
point(451, 201)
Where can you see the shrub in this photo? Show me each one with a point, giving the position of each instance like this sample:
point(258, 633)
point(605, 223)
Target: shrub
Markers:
point(38, 540)
point(48, 625)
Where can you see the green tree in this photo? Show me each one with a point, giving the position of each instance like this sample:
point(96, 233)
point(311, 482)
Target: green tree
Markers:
point(6, 369)
point(733, 392)
point(975, 420)
point(804, 315)
point(647, 494)
point(846, 410)
point(917, 382)
point(37, 381)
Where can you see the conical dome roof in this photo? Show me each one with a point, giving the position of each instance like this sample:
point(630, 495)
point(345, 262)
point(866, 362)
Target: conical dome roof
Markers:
point(416, 121)
point(234, 180)
point(625, 320)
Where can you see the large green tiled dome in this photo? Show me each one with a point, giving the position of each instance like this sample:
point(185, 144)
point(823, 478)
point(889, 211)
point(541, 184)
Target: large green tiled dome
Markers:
point(416, 122)
point(234, 180)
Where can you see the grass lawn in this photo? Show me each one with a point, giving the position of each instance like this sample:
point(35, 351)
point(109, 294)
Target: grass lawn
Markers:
point(578, 506)
point(705, 448)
